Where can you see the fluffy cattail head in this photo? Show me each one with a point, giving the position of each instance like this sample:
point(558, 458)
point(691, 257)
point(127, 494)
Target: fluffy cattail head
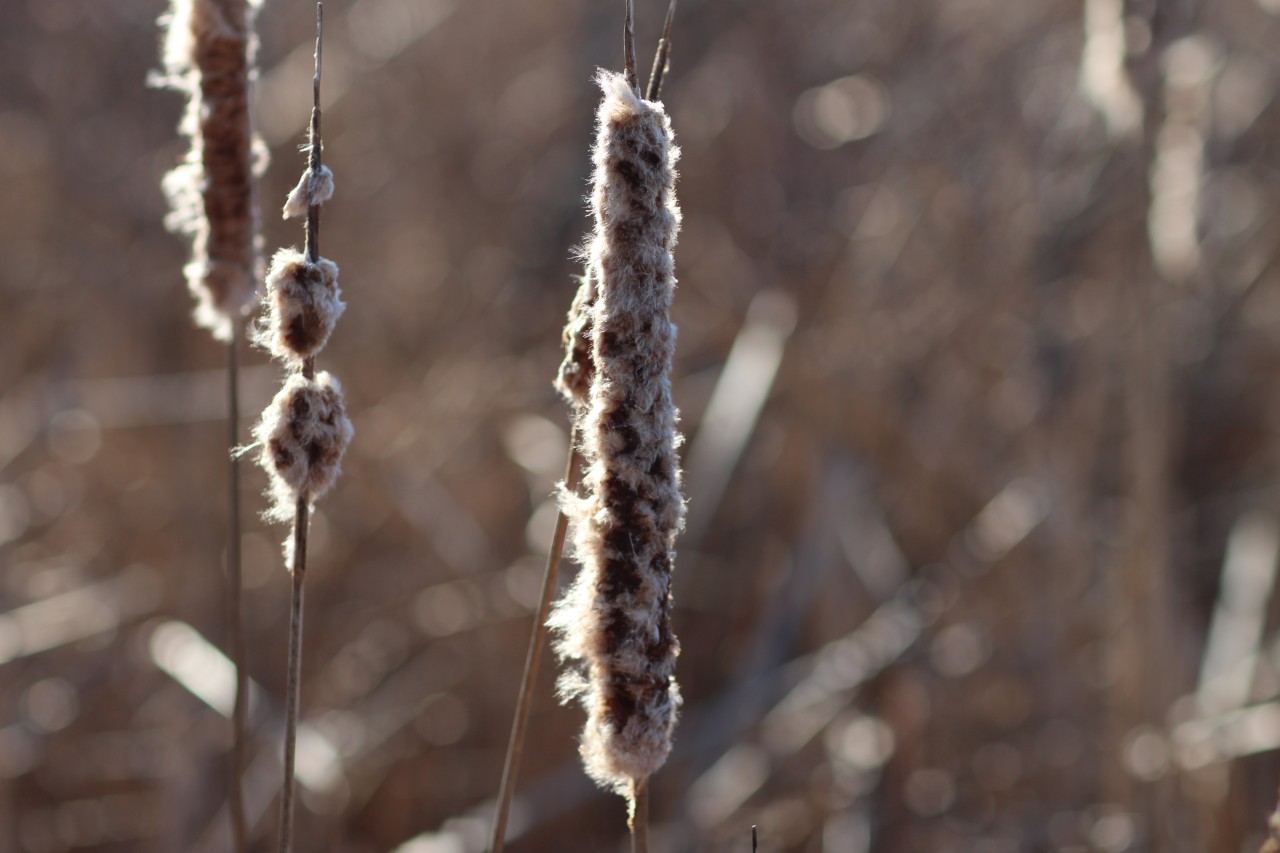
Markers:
point(303, 304)
point(573, 380)
point(616, 618)
point(303, 434)
point(208, 52)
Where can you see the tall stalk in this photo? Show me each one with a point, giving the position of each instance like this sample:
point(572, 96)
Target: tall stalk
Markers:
point(235, 596)
point(302, 509)
point(209, 53)
point(574, 384)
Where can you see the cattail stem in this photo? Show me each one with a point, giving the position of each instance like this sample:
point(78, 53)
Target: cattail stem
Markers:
point(312, 245)
point(639, 821)
point(520, 725)
point(629, 50)
point(302, 511)
point(235, 595)
point(294, 677)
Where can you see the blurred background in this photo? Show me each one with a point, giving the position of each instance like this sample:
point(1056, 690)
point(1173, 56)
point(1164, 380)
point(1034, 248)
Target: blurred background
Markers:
point(979, 332)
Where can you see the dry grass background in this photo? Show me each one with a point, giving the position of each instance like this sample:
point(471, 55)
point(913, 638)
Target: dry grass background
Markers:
point(980, 520)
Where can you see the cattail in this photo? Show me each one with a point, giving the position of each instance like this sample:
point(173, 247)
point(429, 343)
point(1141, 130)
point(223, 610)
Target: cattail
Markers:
point(208, 54)
point(616, 619)
point(303, 434)
point(305, 431)
point(209, 50)
point(303, 303)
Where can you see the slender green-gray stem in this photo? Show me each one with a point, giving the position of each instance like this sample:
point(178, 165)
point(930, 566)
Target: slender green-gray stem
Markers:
point(302, 511)
point(538, 638)
point(235, 597)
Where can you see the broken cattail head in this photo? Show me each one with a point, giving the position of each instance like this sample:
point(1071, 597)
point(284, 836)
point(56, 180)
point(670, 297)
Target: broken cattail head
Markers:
point(616, 619)
point(573, 380)
point(303, 304)
point(315, 187)
point(304, 434)
point(209, 50)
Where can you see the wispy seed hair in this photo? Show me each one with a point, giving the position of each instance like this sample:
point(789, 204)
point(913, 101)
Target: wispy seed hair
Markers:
point(616, 619)
point(209, 55)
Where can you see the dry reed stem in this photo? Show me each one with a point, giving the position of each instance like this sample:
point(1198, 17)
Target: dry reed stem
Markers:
point(533, 658)
point(629, 49)
point(661, 59)
point(235, 592)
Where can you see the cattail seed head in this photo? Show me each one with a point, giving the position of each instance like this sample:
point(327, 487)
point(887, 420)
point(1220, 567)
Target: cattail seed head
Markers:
point(208, 52)
point(304, 434)
point(315, 187)
point(573, 380)
point(616, 618)
point(303, 304)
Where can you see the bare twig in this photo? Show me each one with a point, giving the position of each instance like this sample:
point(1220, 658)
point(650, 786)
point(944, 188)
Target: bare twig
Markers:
point(520, 725)
point(629, 49)
point(302, 510)
point(235, 594)
point(662, 59)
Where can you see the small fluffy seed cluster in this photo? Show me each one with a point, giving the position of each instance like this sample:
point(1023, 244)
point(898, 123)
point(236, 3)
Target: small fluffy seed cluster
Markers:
point(573, 380)
point(209, 55)
point(305, 431)
point(303, 305)
point(314, 188)
point(616, 619)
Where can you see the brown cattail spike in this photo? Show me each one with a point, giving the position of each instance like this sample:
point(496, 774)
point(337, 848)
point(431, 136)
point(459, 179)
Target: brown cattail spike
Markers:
point(616, 618)
point(209, 48)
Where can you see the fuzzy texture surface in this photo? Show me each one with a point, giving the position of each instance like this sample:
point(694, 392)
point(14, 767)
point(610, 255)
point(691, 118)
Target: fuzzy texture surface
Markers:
point(209, 53)
point(573, 380)
point(304, 434)
point(615, 620)
point(315, 187)
point(303, 303)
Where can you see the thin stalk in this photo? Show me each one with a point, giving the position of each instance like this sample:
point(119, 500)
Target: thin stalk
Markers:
point(537, 639)
point(662, 59)
point(295, 670)
point(235, 597)
point(302, 511)
point(629, 50)
point(639, 822)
